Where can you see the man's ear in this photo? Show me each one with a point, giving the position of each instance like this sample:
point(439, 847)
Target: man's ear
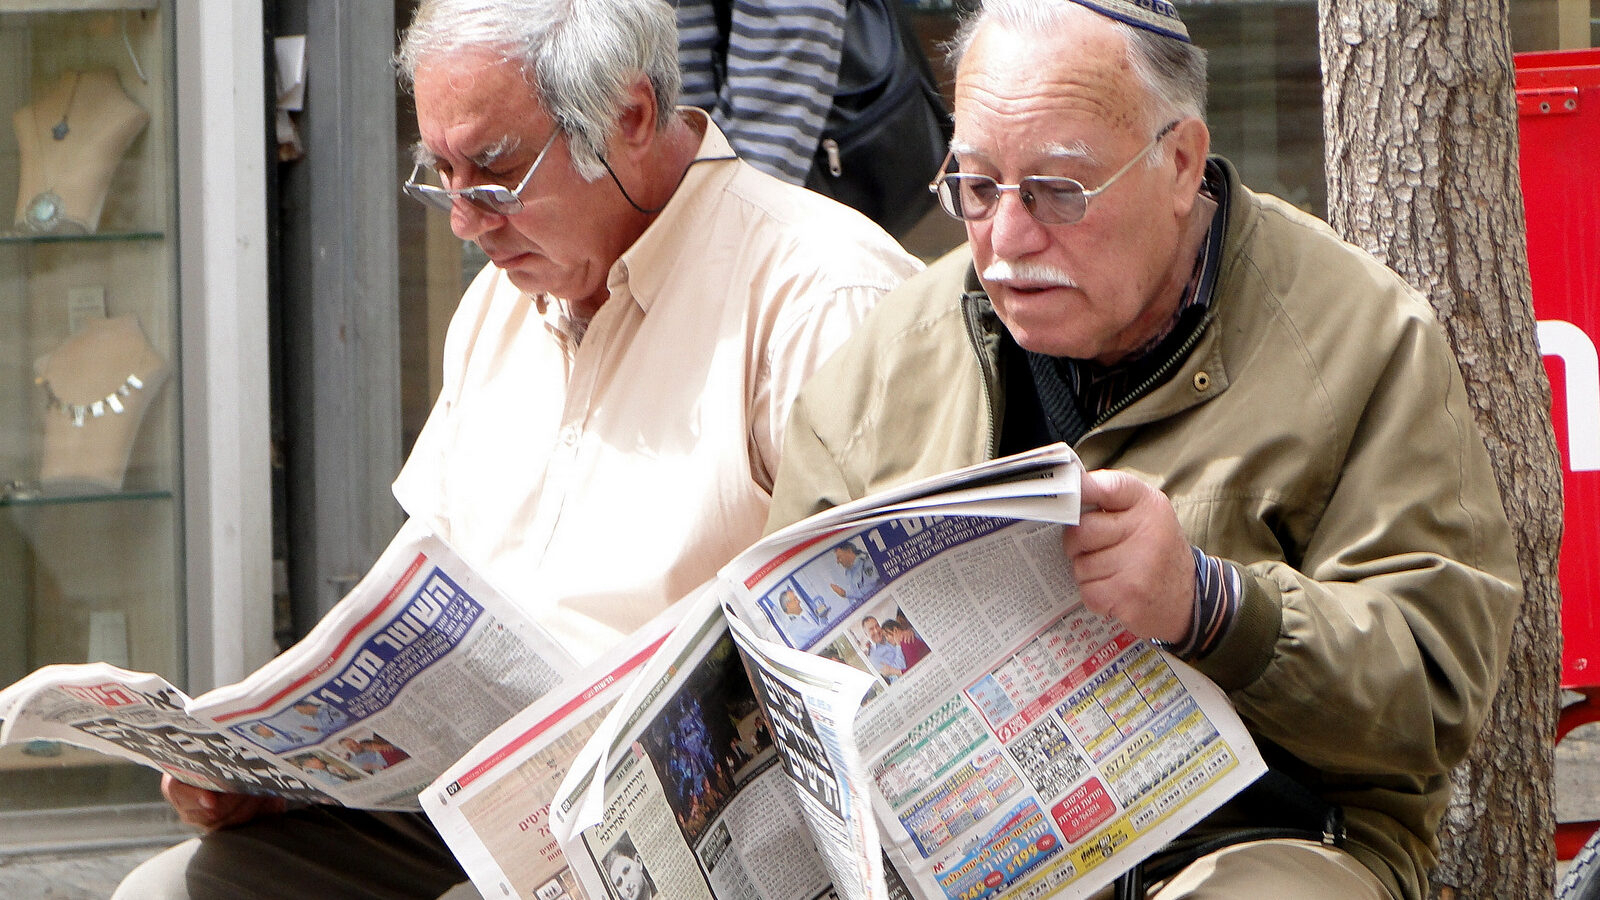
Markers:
point(637, 125)
point(1191, 143)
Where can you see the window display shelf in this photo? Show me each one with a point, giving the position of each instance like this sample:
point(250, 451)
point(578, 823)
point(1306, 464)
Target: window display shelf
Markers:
point(14, 237)
point(18, 498)
point(9, 6)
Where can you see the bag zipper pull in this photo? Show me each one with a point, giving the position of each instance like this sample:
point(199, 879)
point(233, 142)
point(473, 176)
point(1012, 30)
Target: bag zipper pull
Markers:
point(831, 147)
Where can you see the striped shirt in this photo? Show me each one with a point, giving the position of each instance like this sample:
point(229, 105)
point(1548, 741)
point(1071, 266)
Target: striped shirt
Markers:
point(782, 68)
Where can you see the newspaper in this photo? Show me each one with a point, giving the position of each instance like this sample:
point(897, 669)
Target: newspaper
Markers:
point(1016, 743)
point(787, 741)
point(685, 787)
point(419, 662)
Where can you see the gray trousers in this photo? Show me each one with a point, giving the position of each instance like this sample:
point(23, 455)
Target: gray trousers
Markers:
point(1272, 870)
point(317, 851)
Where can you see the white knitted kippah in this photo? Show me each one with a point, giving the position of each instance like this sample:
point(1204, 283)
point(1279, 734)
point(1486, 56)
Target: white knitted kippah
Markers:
point(1151, 15)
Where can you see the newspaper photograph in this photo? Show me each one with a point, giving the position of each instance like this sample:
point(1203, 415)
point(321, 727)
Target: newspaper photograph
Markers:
point(1017, 744)
point(683, 792)
point(352, 714)
point(492, 806)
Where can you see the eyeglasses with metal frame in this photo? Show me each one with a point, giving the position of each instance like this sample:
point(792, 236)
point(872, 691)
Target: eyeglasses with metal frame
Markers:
point(1050, 199)
point(489, 198)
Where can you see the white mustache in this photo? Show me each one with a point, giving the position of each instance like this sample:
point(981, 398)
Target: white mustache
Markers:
point(1034, 274)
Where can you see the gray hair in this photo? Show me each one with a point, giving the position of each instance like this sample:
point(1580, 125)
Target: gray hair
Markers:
point(578, 56)
point(1173, 72)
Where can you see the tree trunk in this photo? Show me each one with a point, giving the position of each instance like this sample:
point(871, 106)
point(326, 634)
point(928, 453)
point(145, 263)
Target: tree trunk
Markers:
point(1420, 116)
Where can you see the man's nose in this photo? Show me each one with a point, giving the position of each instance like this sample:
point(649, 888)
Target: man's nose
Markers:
point(1013, 231)
point(469, 222)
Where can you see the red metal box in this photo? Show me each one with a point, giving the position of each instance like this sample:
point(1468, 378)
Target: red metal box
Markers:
point(1558, 99)
point(1558, 105)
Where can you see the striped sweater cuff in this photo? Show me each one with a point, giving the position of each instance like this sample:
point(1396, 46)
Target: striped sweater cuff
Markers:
point(1217, 589)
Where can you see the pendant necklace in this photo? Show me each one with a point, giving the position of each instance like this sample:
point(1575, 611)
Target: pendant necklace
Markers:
point(44, 213)
point(79, 412)
point(60, 129)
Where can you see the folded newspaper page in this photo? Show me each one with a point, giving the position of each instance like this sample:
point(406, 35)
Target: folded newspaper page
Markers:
point(404, 675)
point(687, 790)
point(493, 805)
point(1016, 744)
point(811, 707)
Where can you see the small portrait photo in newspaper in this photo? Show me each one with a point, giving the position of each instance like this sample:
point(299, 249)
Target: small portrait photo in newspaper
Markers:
point(625, 874)
point(371, 753)
point(323, 769)
point(308, 720)
point(801, 617)
point(890, 644)
point(263, 735)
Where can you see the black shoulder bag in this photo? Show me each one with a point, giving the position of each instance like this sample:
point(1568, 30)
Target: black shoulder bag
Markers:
point(888, 128)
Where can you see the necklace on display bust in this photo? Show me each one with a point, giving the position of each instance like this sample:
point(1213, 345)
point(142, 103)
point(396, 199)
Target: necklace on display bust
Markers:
point(43, 214)
point(60, 130)
point(46, 213)
point(79, 412)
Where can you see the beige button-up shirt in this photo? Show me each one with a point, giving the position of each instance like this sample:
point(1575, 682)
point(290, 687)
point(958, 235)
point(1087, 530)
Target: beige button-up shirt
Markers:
point(597, 482)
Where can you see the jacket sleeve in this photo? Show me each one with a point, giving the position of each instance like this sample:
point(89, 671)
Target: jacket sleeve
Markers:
point(1376, 642)
point(810, 479)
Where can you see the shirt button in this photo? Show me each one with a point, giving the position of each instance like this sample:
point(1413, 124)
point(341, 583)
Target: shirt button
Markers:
point(569, 435)
point(1202, 382)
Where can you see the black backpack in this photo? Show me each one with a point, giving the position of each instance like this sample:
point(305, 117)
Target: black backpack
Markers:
point(888, 128)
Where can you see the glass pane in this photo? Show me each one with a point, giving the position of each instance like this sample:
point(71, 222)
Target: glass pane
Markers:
point(89, 442)
point(1554, 24)
point(1265, 102)
point(435, 267)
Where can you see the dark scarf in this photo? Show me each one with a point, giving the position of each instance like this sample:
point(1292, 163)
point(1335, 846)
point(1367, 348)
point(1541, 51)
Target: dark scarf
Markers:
point(1068, 397)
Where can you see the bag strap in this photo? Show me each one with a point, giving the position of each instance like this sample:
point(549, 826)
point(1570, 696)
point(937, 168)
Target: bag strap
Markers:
point(907, 33)
point(912, 48)
point(722, 10)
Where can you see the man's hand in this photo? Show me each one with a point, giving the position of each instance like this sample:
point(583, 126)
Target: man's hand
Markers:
point(210, 810)
point(836, 589)
point(1131, 558)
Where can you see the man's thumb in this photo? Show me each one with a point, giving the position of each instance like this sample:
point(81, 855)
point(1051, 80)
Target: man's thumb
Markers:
point(1111, 490)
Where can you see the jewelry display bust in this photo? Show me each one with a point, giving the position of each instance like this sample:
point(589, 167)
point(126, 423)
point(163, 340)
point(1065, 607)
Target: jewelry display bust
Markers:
point(70, 139)
point(97, 387)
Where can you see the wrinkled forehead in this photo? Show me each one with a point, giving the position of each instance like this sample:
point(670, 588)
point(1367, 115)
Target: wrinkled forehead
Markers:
point(473, 102)
point(1054, 90)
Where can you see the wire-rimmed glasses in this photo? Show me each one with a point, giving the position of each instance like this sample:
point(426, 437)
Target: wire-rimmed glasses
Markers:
point(489, 198)
point(1051, 199)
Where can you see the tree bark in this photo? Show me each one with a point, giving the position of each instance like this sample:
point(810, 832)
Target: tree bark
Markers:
point(1420, 115)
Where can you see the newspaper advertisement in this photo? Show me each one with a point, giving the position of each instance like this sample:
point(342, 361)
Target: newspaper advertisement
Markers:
point(1017, 744)
point(492, 806)
point(683, 791)
point(353, 714)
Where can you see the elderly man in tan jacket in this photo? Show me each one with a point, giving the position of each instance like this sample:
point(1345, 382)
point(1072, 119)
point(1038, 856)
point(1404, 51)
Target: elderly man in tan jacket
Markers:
point(1287, 488)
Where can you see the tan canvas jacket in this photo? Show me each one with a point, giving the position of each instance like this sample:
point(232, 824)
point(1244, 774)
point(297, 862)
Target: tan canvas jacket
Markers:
point(1318, 435)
